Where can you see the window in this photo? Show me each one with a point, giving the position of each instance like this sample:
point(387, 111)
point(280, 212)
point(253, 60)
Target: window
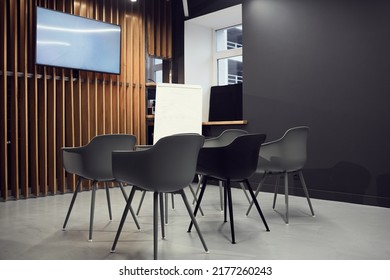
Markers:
point(157, 69)
point(154, 69)
point(229, 55)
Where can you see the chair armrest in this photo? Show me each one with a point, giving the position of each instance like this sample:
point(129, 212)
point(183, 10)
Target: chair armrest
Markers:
point(72, 160)
point(270, 156)
point(270, 149)
point(142, 147)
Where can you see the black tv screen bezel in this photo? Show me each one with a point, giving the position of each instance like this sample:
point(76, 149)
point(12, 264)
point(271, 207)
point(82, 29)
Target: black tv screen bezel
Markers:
point(77, 68)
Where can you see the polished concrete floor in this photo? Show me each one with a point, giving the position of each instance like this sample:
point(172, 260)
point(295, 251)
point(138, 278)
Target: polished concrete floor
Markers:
point(32, 229)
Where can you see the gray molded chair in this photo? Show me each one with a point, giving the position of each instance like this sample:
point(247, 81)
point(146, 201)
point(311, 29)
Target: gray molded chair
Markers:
point(145, 147)
point(224, 139)
point(166, 167)
point(282, 157)
point(221, 163)
point(93, 162)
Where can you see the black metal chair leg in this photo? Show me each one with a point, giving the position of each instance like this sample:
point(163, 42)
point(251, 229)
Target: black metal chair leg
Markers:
point(165, 208)
point(72, 202)
point(200, 179)
point(94, 186)
point(108, 200)
point(131, 208)
point(257, 191)
point(286, 195)
point(183, 195)
point(256, 204)
point(230, 203)
point(306, 192)
point(162, 215)
point(123, 219)
point(276, 190)
point(155, 225)
point(220, 195)
point(195, 199)
point(225, 199)
point(141, 201)
point(203, 188)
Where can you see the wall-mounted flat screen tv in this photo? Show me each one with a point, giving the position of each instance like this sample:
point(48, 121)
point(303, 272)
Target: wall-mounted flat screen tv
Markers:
point(64, 40)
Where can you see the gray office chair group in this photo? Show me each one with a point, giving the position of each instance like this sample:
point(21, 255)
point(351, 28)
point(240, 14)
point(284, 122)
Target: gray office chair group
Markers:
point(171, 164)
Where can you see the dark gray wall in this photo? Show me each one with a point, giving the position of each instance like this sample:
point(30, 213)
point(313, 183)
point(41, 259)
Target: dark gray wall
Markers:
point(325, 64)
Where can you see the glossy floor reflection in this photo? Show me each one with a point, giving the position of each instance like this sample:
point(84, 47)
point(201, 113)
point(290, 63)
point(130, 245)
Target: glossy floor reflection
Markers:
point(32, 229)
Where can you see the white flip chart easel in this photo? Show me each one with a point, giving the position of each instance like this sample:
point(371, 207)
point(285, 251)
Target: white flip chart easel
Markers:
point(178, 110)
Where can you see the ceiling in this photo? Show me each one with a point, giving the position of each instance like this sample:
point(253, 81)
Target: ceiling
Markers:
point(220, 19)
point(195, 5)
point(202, 7)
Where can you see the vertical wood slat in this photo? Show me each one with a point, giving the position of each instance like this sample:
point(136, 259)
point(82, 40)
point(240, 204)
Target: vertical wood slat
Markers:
point(137, 119)
point(42, 132)
point(70, 114)
point(150, 22)
point(108, 88)
point(14, 162)
point(23, 65)
point(85, 97)
point(33, 115)
point(51, 126)
point(3, 103)
point(51, 133)
point(60, 130)
point(59, 133)
point(132, 50)
point(126, 63)
point(61, 178)
point(120, 15)
point(169, 30)
point(77, 97)
point(69, 119)
point(141, 70)
point(164, 30)
point(159, 28)
point(42, 128)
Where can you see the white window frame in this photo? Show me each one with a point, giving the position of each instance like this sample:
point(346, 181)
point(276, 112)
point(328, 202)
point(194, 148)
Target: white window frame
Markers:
point(222, 54)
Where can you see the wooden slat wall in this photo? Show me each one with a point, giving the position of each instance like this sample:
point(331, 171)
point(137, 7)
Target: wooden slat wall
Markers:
point(45, 108)
point(159, 28)
point(14, 116)
point(3, 101)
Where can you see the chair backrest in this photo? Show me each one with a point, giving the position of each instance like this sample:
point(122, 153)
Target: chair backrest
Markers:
point(95, 157)
point(225, 138)
point(236, 161)
point(167, 166)
point(289, 153)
